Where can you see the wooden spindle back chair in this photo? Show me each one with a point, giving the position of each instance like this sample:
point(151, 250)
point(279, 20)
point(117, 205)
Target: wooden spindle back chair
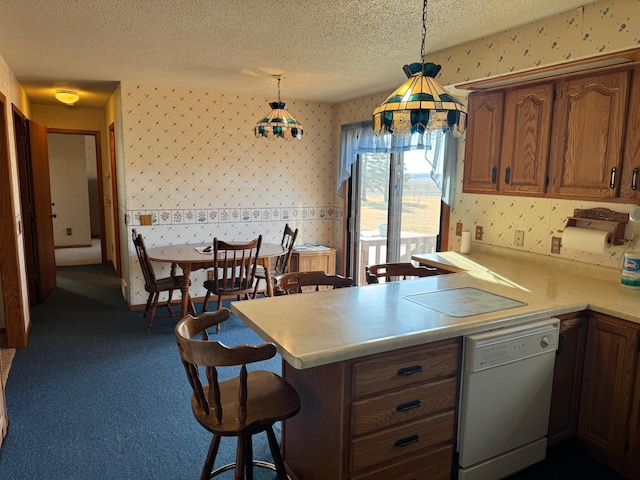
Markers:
point(282, 263)
point(235, 272)
point(397, 271)
point(240, 407)
point(298, 282)
point(155, 286)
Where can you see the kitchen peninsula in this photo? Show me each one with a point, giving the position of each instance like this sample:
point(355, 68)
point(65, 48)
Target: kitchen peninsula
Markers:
point(342, 349)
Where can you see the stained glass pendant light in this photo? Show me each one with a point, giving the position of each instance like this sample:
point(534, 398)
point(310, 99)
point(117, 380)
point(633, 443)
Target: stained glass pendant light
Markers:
point(420, 104)
point(279, 123)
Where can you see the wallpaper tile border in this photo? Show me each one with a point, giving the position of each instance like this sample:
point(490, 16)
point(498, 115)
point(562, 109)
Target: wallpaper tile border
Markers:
point(196, 216)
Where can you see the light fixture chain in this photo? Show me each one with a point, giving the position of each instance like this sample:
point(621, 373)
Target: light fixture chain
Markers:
point(424, 29)
point(279, 101)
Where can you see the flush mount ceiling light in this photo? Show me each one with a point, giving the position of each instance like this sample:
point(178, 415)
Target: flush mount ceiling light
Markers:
point(279, 123)
point(66, 97)
point(420, 104)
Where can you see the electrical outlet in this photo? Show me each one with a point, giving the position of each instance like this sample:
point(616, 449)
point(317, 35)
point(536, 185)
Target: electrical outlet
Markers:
point(555, 245)
point(146, 220)
point(459, 229)
point(69, 231)
point(519, 238)
point(479, 233)
point(210, 275)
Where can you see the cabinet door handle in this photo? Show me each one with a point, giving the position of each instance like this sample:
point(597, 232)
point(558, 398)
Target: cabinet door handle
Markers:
point(410, 370)
point(634, 179)
point(403, 407)
point(494, 175)
point(507, 175)
point(403, 442)
point(612, 179)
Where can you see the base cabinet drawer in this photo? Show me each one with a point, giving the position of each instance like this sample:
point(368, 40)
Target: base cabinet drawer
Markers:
point(407, 439)
point(435, 465)
point(410, 403)
point(401, 370)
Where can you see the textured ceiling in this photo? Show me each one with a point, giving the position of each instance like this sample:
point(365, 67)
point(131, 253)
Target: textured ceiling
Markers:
point(329, 50)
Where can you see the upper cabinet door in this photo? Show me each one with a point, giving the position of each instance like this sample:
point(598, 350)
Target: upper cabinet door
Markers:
point(587, 136)
point(630, 178)
point(483, 142)
point(525, 141)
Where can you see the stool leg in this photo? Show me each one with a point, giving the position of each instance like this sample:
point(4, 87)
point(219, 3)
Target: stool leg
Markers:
point(275, 453)
point(240, 459)
point(248, 457)
point(211, 458)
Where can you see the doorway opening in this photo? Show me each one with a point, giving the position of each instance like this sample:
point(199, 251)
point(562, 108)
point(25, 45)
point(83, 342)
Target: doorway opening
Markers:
point(76, 192)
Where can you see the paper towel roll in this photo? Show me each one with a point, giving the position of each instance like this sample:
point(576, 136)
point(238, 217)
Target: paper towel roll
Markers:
point(586, 239)
point(465, 242)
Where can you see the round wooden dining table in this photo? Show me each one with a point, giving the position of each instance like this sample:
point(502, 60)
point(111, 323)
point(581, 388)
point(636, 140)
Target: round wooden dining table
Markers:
point(190, 257)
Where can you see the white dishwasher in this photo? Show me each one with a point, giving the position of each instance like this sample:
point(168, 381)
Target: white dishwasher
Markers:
point(505, 398)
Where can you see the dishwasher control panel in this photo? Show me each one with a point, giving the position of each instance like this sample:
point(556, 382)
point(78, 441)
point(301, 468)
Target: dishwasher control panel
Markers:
point(490, 349)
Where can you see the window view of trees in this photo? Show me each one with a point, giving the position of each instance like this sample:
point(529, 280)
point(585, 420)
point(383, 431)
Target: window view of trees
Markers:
point(420, 194)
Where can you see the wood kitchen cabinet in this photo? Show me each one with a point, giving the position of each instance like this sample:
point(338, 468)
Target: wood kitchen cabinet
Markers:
point(588, 132)
point(483, 142)
point(390, 415)
point(608, 422)
point(507, 144)
point(567, 378)
point(572, 137)
point(525, 139)
point(310, 259)
point(630, 175)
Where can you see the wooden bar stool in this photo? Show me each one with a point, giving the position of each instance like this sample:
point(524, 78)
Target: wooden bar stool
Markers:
point(240, 407)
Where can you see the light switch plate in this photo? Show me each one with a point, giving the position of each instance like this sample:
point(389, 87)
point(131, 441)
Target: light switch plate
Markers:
point(459, 229)
point(519, 238)
point(146, 220)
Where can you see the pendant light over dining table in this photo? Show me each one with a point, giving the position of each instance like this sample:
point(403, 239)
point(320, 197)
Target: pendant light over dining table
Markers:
point(420, 104)
point(279, 123)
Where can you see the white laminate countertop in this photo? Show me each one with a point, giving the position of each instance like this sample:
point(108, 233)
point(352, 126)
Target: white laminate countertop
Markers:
point(324, 327)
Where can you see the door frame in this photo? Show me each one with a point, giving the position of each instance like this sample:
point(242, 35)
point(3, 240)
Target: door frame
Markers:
point(20, 136)
point(96, 135)
point(114, 200)
point(16, 328)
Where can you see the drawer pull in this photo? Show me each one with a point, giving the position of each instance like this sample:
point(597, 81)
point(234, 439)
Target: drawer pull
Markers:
point(410, 370)
point(403, 442)
point(403, 407)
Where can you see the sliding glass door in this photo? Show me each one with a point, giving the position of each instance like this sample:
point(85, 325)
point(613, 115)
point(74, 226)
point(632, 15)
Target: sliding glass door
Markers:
point(394, 209)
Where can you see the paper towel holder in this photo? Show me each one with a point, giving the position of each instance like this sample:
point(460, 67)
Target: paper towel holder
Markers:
point(603, 215)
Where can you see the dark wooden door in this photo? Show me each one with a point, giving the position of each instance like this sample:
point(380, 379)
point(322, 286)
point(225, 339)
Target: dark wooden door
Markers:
point(38, 158)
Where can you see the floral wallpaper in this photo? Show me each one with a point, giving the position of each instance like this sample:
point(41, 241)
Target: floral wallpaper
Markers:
point(191, 160)
point(193, 164)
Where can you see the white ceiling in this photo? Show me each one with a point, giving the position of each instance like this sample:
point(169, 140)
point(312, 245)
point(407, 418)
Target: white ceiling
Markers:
point(329, 50)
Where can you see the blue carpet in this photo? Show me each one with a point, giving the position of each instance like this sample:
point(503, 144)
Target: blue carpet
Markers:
point(97, 396)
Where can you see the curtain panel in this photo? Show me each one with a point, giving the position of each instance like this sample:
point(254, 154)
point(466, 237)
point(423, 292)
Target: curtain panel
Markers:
point(440, 153)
